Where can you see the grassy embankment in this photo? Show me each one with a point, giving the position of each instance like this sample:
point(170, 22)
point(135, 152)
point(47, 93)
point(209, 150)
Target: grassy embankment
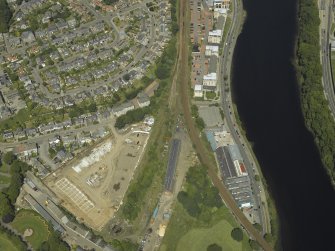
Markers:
point(315, 108)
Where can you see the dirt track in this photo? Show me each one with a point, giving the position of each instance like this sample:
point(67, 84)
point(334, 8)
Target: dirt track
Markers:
point(182, 81)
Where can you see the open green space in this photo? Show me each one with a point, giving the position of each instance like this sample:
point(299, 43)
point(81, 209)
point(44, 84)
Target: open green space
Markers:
point(6, 244)
point(4, 179)
point(199, 239)
point(30, 220)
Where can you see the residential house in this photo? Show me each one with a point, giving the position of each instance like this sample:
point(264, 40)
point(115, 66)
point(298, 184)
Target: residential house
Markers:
point(25, 150)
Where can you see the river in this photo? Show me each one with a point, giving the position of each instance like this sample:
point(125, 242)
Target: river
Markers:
point(266, 94)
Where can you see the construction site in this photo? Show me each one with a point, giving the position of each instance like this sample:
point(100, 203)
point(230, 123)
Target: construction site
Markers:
point(92, 187)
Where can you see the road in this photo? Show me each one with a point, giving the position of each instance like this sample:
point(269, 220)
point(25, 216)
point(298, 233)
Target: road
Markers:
point(325, 55)
point(225, 65)
point(183, 73)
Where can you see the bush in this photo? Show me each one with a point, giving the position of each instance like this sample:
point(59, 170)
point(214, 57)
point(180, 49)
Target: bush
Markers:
point(237, 234)
point(214, 247)
point(8, 158)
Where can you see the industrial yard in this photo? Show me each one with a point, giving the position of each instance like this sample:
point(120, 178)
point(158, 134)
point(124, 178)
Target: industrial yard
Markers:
point(93, 187)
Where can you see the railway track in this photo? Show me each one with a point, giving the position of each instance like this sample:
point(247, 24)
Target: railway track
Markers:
point(183, 77)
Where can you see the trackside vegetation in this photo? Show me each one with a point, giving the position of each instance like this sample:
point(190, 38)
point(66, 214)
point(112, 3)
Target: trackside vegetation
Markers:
point(314, 105)
point(162, 72)
point(133, 202)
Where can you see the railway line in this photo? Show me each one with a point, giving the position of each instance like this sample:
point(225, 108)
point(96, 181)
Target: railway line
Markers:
point(183, 82)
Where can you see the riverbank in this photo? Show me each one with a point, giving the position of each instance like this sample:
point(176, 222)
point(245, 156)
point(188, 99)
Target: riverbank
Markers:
point(315, 107)
point(271, 231)
point(267, 96)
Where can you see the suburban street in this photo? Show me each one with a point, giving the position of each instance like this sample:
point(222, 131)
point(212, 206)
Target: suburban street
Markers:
point(226, 62)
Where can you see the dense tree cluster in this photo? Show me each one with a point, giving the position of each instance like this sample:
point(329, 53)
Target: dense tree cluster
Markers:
point(167, 60)
point(200, 196)
point(314, 105)
point(110, 2)
point(131, 117)
point(5, 16)
point(8, 195)
point(198, 120)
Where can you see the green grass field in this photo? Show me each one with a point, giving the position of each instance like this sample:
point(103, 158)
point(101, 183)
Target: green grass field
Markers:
point(28, 219)
point(198, 239)
point(187, 233)
point(4, 180)
point(6, 244)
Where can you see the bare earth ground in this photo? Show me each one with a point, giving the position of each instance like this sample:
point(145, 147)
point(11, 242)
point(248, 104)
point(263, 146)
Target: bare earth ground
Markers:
point(95, 193)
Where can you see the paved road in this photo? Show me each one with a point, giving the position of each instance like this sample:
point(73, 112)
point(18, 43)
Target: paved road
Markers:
point(182, 70)
point(325, 55)
point(225, 64)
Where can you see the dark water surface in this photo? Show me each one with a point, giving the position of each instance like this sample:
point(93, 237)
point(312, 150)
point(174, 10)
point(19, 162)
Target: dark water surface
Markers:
point(266, 94)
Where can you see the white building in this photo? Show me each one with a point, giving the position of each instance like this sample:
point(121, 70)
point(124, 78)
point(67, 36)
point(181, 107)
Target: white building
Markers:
point(212, 4)
point(219, 12)
point(198, 93)
point(214, 37)
point(209, 81)
point(212, 50)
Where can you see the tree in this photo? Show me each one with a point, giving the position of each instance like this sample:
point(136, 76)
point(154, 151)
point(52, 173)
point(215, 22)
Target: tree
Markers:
point(8, 158)
point(5, 16)
point(237, 234)
point(254, 245)
point(6, 210)
point(214, 247)
point(110, 2)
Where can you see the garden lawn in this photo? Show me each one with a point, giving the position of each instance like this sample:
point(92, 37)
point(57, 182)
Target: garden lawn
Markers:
point(6, 244)
point(29, 219)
